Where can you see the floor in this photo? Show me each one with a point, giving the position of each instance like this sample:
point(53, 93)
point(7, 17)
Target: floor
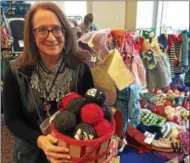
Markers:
point(7, 143)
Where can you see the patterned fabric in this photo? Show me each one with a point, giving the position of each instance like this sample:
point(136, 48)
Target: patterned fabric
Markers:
point(172, 58)
point(184, 137)
point(60, 88)
point(133, 61)
point(178, 81)
point(151, 119)
point(158, 99)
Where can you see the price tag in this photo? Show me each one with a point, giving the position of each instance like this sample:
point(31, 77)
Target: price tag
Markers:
point(174, 160)
point(21, 43)
point(149, 137)
point(93, 58)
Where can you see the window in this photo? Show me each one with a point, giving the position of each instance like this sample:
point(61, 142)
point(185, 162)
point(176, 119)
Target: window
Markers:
point(175, 14)
point(145, 12)
point(75, 8)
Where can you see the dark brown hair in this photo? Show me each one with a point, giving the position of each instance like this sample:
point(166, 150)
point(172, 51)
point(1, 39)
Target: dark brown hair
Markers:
point(88, 18)
point(30, 55)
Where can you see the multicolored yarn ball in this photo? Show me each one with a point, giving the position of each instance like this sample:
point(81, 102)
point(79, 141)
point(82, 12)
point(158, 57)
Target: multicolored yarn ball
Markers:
point(95, 95)
point(92, 114)
point(75, 106)
point(84, 131)
point(65, 122)
point(67, 98)
point(102, 128)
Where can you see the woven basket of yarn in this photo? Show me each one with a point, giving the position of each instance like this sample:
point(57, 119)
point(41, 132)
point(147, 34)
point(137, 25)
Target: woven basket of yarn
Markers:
point(86, 151)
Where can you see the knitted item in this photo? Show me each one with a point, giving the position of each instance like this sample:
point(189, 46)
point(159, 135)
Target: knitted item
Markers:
point(67, 98)
point(103, 128)
point(107, 112)
point(95, 95)
point(184, 137)
point(166, 130)
point(65, 122)
point(151, 119)
point(75, 106)
point(93, 44)
point(84, 132)
point(91, 114)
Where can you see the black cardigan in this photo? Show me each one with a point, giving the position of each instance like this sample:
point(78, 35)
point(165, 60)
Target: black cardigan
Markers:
point(17, 121)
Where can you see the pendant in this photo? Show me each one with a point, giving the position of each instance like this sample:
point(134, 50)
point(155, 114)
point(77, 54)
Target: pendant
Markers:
point(47, 107)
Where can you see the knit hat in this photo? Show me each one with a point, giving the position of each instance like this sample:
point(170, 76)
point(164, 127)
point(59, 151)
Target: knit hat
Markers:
point(184, 137)
point(102, 128)
point(91, 113)
point(67, 98)
point(151, 119)
point(84, 132)
point(95, 95)
point(75, 106)
point(93, 44)
point(166, 130)
point(65, 122)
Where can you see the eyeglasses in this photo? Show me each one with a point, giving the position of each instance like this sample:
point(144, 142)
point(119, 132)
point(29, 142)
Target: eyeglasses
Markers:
point(42, 33)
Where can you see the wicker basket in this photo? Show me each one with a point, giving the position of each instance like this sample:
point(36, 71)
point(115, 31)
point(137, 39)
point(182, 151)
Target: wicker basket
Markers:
point(86, 151)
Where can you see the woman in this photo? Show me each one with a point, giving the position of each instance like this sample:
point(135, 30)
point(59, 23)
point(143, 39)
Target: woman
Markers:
point(36, 81)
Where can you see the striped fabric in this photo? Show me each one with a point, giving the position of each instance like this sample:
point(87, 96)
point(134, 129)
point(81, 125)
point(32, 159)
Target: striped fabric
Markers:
point(167, 130)
point(172, 58)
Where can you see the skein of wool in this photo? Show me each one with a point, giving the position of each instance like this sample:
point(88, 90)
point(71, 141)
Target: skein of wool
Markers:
point(84, 131)
point(67, 98)
point(95, 95)
point(107, 112)
point(102, 128)
point(91, 114)
point(65, 122)
point(75, 106)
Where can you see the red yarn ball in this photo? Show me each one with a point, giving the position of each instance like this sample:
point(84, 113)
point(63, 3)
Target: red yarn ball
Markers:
point(91, 114)
point(102, 128)
point(67, 98)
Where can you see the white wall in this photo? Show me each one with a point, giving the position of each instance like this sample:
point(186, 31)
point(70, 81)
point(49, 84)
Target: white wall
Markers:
point(109, 14)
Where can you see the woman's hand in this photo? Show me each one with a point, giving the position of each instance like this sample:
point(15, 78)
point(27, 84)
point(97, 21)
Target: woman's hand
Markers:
point(54, 153)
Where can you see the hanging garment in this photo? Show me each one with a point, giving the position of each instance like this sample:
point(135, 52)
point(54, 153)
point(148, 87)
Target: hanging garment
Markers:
point(133, 61)
point(92, 46)
point(187, 74)
point(159, 76)
point(178, 53)
point(163, 42)
point(128, 104)
point(153, 46)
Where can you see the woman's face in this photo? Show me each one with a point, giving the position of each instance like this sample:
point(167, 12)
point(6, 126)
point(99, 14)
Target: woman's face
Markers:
point(50, 44)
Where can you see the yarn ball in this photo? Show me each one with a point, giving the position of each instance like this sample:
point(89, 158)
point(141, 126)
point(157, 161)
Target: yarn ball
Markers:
point(91, 113)
point(107, 112)
point(84, 131)
point(75, 106)
point(65, 122)
point(102, 128)
point(67, 98)
point(95, 95)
